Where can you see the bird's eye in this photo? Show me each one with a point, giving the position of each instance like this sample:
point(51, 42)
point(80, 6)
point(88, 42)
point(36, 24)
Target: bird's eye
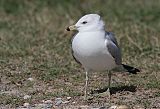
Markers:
point(84, 22)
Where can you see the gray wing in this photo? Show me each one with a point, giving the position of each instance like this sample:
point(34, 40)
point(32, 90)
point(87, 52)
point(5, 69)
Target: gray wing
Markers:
point(114, 50)
point(111, 36)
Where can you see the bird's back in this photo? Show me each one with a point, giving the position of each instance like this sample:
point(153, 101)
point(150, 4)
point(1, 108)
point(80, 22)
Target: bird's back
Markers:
point(113, 47)
point(111, 36)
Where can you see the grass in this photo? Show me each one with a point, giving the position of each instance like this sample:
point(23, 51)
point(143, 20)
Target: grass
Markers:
point(33, 43)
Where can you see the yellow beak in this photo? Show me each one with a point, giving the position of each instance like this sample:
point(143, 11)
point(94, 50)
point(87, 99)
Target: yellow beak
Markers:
point(72, 27)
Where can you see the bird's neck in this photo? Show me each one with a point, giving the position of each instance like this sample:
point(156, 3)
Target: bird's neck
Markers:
point(97, 34)
point(93, 31)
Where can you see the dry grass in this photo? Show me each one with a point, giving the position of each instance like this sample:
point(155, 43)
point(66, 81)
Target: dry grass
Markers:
point(33, 43)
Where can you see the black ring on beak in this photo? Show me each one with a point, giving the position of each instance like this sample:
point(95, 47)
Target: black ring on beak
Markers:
point(67, 29)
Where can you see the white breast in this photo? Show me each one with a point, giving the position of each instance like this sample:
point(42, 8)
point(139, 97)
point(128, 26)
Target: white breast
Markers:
point(89, 48)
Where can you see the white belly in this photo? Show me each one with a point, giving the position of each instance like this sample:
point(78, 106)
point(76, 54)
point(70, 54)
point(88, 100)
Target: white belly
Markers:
point(98, 63)
point(92, 52)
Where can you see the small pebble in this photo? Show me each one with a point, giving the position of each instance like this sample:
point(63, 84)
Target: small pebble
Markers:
point(65, 102)
point(27, 97)
point(48, 101)
point(58, 101)
point(68, 98)
point(26, 104)
point(84, 107)
point(138, 107)
point(122, 107)
point(39, 105)
point(102, 107)
point(30, 79)
point(49, 105)
point(119, 107)
point(73, 102)
point(95, 108)
point(113, 107)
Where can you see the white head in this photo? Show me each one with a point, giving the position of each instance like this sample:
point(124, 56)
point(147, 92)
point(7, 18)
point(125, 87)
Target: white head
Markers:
point(89, 22)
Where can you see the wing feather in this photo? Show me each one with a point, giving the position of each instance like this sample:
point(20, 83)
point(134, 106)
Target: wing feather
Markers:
point(114, 50)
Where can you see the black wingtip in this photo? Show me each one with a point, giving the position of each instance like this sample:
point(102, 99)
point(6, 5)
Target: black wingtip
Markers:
point(131, 69)
point(134, 71)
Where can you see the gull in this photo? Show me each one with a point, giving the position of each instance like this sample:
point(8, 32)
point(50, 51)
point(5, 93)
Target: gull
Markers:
point(96, 49)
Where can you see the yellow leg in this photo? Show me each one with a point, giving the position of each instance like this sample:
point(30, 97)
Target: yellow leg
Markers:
point(86, 86)
point(109, 83)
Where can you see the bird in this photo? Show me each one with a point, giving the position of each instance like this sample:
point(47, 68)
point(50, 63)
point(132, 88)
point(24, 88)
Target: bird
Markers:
point(95, 48)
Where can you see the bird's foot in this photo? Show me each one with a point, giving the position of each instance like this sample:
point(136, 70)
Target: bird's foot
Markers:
point(109, 95)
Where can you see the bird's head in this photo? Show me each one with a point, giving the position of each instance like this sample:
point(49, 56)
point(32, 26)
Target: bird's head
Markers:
point(89, 22)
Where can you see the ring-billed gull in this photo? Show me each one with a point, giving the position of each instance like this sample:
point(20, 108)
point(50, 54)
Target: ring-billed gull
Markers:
point(95, 48)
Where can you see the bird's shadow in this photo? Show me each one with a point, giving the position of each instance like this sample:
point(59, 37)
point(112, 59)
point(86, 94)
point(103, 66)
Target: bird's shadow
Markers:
point(114, 90)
